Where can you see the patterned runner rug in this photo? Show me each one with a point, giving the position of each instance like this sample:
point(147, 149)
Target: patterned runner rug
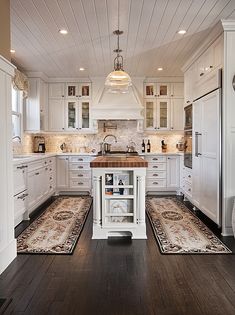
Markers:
point(178, 231)
point(57, 230)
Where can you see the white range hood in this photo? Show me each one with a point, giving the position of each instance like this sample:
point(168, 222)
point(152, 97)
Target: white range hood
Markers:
point(117, 106)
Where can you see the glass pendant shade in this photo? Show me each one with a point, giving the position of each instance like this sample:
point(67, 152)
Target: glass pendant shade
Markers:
point(118, 81)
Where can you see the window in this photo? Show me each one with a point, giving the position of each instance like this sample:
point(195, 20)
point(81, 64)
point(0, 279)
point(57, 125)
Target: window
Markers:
point(17, 105)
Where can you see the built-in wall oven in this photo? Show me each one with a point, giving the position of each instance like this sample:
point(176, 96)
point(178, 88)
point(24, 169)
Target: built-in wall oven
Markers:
point(188, 124)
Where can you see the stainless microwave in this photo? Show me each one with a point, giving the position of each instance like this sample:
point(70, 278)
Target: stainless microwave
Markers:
point(188, 117)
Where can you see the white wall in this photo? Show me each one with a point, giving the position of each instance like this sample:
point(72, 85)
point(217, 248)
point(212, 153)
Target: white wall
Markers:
point(7, 240)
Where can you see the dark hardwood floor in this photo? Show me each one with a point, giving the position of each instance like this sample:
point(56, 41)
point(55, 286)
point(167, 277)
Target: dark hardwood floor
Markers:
point(120, 277)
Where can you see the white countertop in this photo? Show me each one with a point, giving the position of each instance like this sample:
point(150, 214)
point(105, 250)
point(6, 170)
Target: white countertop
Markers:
point(30, 157)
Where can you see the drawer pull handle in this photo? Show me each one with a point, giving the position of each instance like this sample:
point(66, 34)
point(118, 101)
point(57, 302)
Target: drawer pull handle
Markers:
point(155, 174)
point(37, 173)
point(201, 74)
point(50, 178)
point(155, 166)
point(189, 189)
point(155, 159)
point(80, 166)
point(22, 196)
point(20, 167)
point(80, 159)
point(155, 183)
point(50, 169)
point(80, 183)
point(46, 168)
point(80, 175)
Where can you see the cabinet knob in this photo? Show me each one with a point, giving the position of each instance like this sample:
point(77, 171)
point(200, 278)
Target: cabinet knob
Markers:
point(201, 74)
point(211, 67)
point(172, 127)
point(62, 128)
point(172, 94)
point(62, 95)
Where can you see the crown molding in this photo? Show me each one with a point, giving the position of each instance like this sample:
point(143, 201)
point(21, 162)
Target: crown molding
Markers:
point(228, 25)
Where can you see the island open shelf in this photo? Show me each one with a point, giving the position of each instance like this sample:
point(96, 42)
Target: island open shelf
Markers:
point(119, 200)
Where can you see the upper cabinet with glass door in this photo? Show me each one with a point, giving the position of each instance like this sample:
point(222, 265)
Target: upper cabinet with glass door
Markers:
point(156, 90)
point(79, 90)
point(77, 115)
point(157, 114)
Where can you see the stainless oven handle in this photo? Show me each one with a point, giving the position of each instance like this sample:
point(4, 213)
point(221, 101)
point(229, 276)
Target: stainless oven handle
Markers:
point(196, 143)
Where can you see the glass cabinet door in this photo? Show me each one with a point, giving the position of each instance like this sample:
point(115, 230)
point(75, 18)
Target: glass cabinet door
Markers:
point(163, 89)
point(71, 90)
point(149, 114)
point(163, 114)
point(71, 109)
point(150, 89)
point(85, 90)
point(85, 113)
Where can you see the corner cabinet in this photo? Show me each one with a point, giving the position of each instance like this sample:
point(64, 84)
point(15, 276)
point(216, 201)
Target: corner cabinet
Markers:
point(163, 106)
point(69, 107)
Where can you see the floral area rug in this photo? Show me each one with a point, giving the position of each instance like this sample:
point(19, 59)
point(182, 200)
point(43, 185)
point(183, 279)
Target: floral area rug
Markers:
point(57, 230)
point(178, 231)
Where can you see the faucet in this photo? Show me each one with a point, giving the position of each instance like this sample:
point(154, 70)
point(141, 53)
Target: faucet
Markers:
point(17, 137)
point(105, 147)
point(110, 136)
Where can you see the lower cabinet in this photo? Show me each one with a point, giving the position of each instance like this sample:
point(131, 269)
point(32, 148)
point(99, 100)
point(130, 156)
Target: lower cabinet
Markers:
point(163, 173)
point(41, 182)
point(74, 173)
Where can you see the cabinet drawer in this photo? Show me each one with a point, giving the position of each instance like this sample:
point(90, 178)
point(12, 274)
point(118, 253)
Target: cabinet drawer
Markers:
point(19, 178)
point(161, 183)
point(187, 188)
point(79, 166)
point(156, 174)
point(80, 159)
point(80, 183)
point(35, 165)
point(20, 203)
point(80, 174)
point(153, 159)
point(157, 166)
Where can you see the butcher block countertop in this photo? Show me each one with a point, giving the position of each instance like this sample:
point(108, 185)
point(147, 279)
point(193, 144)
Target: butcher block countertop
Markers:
point(118, 161)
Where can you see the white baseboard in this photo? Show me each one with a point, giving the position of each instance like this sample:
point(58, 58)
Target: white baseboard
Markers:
point(7, 255)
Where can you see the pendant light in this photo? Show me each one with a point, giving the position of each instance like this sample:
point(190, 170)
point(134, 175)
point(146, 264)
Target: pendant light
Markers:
point(118, 81)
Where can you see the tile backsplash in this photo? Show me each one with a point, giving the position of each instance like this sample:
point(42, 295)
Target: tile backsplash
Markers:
point(125, 132)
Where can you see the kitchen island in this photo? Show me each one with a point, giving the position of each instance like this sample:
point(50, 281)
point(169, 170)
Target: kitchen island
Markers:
point(119, 196)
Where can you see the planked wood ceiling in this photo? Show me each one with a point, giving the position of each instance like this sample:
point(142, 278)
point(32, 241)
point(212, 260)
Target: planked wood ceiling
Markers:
point(150, 38)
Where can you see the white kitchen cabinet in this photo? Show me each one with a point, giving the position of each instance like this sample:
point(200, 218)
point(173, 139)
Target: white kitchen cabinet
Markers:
point(157, 90)
point(56, 90)
point(36, 106)
point(206, 155)
point(163, 173)
point(157, 114)
point(62, 172)
point(189, 85)
point(41, 175)
point(77, 115)
point(56, 115)
point(177, 114)
point(173, 172)
point(177, 89)
point(20, 193)
point(78, 90)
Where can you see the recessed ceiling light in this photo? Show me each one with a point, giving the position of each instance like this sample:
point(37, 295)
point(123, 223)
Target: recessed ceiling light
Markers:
point(160, 69)
point(12, 51)
point(181, 32)
point(63, 31)
point(81, 69)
